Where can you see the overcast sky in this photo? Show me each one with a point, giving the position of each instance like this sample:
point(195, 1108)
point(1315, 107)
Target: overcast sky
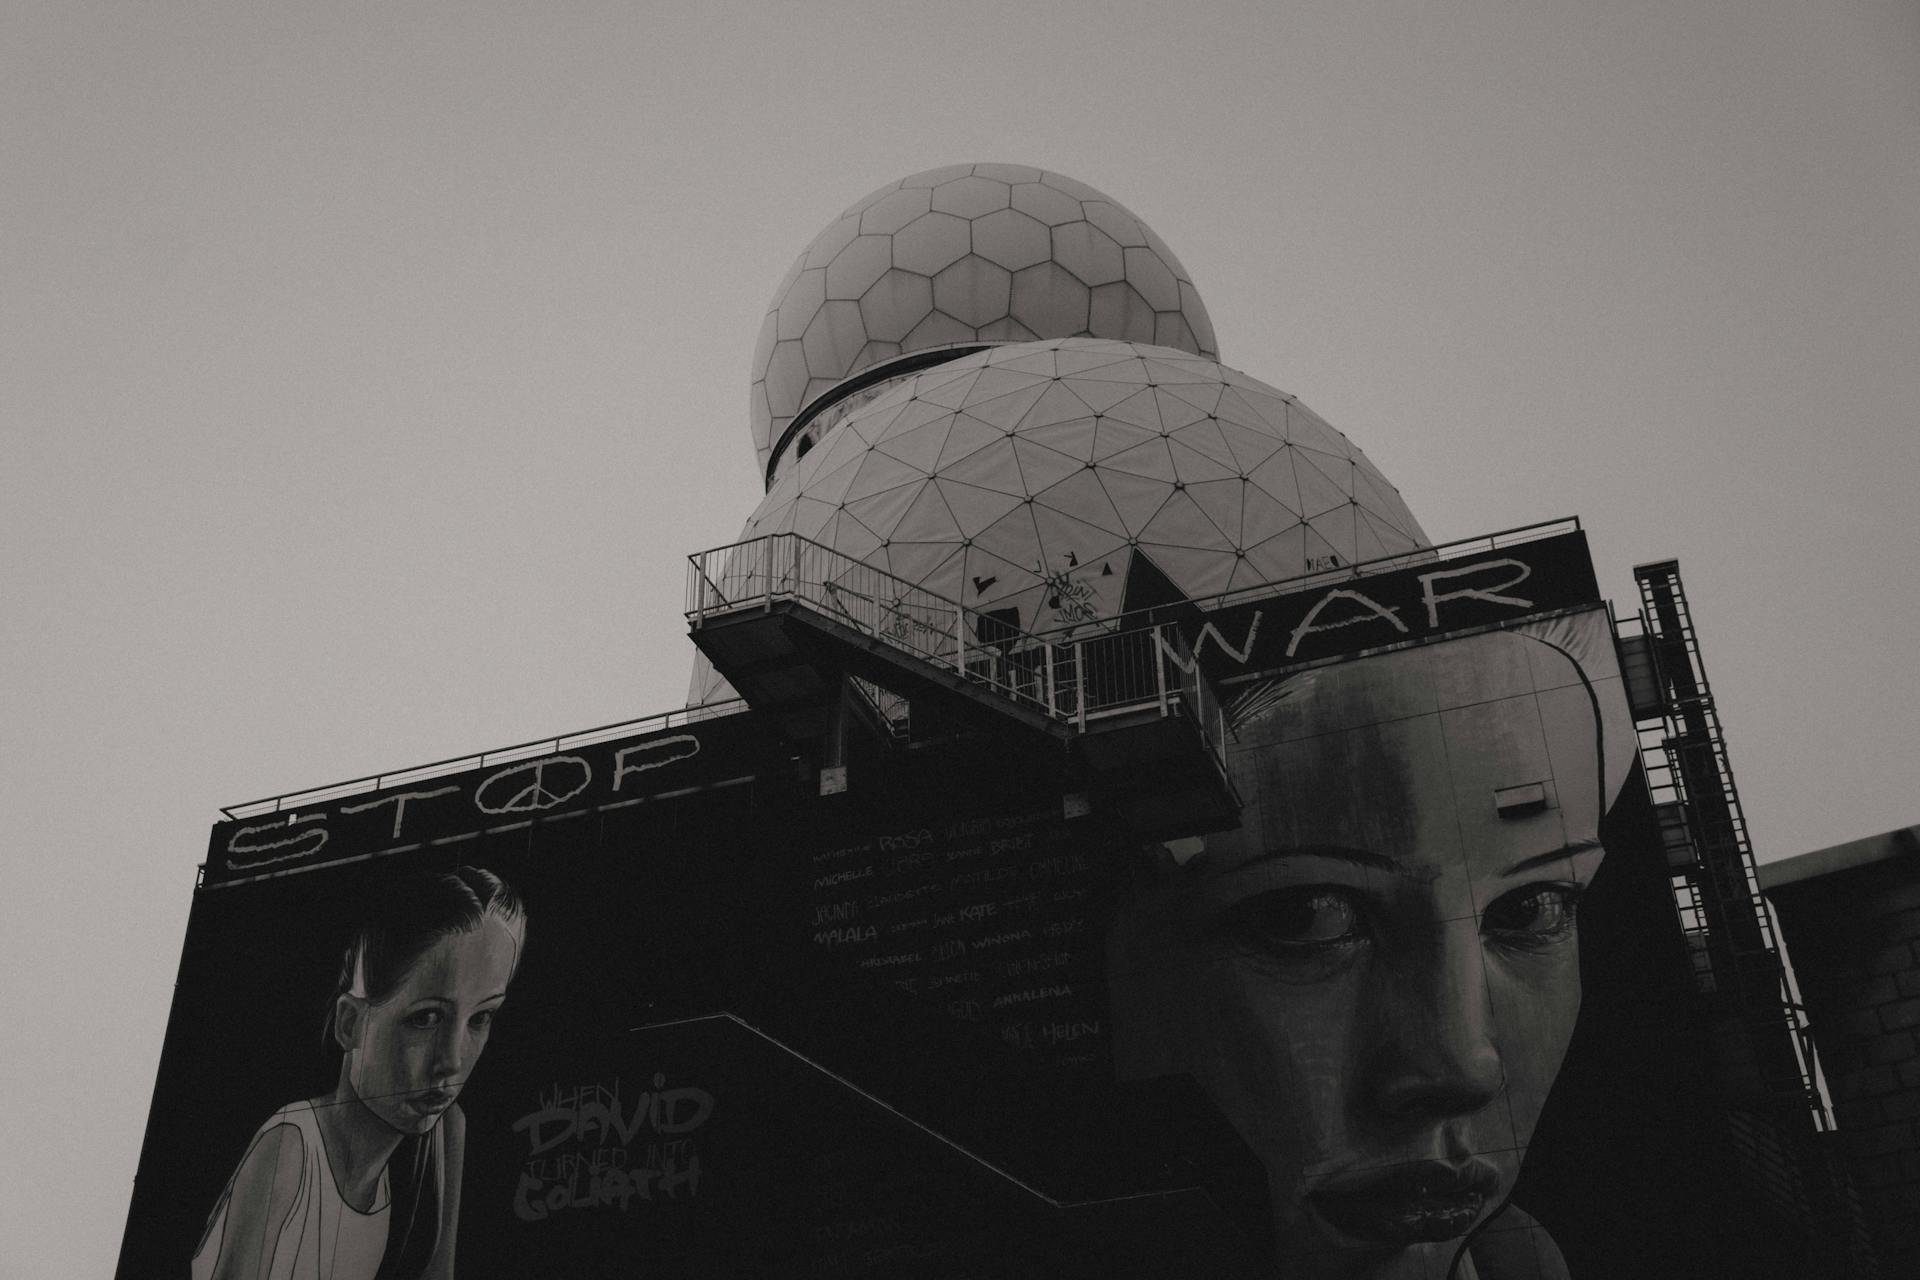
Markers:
point(367, 371)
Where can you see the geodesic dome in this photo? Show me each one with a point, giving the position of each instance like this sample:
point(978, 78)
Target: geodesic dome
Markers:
point(1041, 479)
point(965, 254)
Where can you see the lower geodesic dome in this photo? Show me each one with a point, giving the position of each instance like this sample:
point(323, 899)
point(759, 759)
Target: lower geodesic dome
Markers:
point(1046, 483)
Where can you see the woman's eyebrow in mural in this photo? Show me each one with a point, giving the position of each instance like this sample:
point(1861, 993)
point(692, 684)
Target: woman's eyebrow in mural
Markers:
point(1567, 850)
point(1358, 857)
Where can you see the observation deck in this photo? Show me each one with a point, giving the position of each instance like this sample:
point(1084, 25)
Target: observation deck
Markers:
point(800, 629)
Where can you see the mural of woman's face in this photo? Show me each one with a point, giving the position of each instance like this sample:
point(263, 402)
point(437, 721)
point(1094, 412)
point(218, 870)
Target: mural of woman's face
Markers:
point(408, 1056)
point(1376, 977)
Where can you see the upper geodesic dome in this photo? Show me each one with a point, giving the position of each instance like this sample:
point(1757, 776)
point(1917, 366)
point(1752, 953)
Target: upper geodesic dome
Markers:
point(1053, 482)
point(966, 254)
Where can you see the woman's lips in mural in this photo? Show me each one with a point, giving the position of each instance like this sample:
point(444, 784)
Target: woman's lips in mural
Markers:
point(432, 1102)
point(1411, 1204)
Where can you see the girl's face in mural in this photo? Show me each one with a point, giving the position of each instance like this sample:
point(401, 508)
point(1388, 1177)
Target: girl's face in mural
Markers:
point(409, 1055)
point(1376, 978)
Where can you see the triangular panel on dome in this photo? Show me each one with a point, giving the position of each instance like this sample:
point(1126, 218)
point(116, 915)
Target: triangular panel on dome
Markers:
point(849, 537)
point(966, 437)
point(1083, 496)
point(808, 517)
point(1056, 403)
point(1190, 466)
point(1248, 446)
point(1074, 437)
point(975, 508)
point(918, 447)
point(1220, 500)
point(1309, 430)
point(1149, 459)
point(1367, 543)
point(1204, 437)
point(1013, 537)
point(878, 472)
point(1338, 464)
point(946, 579)
point(992, 467)
point(916, 562)
point(1083, 357)
point(1137, 498)
point(1100, 396)
point(1235, 407)
point(914, 412)
point(1380, 498)
point(1245, 574)
point(1025, 360)
point(1009, 409)
point(947, 388)
point(881, 512)
point(1130, 368)
point(928, 519)
point(1067, 541)
point(994, 381)
point(831, 485)
point(1139, 407)
point(1041, 466)
point(1278, 479)
point(771, 520)
point(1203, 395)
point(1262, 514)
point(831, 447)
point(1282, 556)
point(1318, 491)
point(1167, 371)
point(1181, 523)
point(1173, 412)
point(1270, 405)
point(1394, 539)
point(1112, 436)
point(990, 579)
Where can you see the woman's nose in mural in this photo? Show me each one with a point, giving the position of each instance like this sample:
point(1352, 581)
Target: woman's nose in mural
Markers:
point(1435, 1053)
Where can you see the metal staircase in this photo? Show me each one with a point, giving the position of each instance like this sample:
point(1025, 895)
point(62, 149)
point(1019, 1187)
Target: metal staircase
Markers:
point(1736, 954)
point(1779, 1120)
point(804, 632)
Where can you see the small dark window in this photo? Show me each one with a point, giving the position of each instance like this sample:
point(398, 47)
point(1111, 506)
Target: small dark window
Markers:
point(800, 450)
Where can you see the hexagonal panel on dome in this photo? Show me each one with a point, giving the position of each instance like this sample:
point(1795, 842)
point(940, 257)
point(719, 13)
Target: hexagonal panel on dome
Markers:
point(959, 255)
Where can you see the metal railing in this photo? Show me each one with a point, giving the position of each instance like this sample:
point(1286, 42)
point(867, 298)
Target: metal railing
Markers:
point(1072, 680)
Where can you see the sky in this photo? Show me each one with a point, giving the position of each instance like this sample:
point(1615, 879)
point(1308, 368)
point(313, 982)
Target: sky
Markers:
point(367, 371)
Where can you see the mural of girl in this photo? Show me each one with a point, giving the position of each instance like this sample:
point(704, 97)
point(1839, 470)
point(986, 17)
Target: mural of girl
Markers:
point(363, 1182)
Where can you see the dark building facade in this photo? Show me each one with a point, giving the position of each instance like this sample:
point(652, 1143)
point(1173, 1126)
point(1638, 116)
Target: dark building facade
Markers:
point(1851, 915)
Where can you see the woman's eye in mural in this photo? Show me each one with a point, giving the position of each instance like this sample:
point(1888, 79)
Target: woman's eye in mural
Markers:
point(1308, 931)
point(424, 1019)
point(482, 1020)
point(1532, 918)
